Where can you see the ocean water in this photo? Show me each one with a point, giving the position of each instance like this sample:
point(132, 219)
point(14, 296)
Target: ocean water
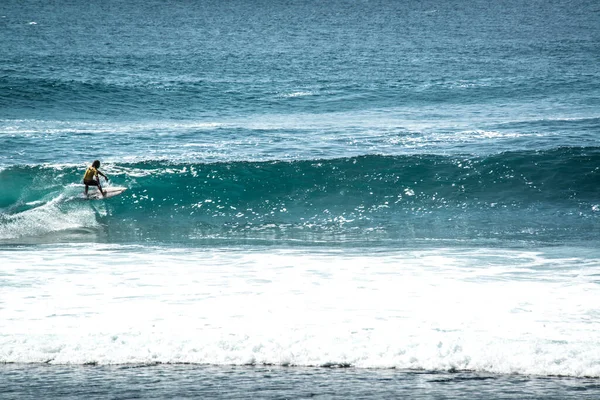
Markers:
point(328, 199)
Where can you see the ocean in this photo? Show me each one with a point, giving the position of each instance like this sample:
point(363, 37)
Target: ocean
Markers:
point(325, 199)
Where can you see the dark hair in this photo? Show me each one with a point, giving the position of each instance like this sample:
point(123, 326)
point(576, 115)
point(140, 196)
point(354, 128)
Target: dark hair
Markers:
point(96, 164)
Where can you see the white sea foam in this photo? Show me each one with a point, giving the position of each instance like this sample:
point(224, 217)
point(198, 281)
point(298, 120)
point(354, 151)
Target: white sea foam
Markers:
point(49, 127)
point(297, 94)
point(502, 311)
point(45, 218)
point(393, 131)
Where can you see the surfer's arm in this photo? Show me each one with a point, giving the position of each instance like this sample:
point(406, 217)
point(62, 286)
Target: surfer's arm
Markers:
point(100, 173)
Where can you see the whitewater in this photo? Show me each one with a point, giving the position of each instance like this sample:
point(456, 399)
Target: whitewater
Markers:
point(333, 200)
point(448, 309)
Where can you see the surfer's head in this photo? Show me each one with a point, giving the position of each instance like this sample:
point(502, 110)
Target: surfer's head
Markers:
point(96, 164)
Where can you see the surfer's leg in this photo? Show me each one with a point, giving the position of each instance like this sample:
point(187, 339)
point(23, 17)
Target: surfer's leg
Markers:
point(86, 190)
point(100, 188)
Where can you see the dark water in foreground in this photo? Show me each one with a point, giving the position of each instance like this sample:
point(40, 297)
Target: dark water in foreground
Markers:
point(265, 382)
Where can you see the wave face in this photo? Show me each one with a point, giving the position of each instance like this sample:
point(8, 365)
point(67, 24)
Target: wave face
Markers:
point(515, 196)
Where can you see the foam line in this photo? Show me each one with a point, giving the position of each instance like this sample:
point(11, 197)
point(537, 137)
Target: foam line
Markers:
point(495, 310)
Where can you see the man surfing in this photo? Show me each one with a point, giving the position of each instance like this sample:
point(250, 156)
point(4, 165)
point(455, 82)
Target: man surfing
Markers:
point(91, 177)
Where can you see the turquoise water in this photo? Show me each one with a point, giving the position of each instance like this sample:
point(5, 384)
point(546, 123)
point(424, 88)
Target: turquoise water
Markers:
point(422, 178)
point(531, 197)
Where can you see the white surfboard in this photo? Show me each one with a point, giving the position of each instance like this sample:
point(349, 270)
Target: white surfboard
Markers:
point(110, 192)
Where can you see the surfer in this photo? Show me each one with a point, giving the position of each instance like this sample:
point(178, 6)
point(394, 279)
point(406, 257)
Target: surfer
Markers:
point(91, 177)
